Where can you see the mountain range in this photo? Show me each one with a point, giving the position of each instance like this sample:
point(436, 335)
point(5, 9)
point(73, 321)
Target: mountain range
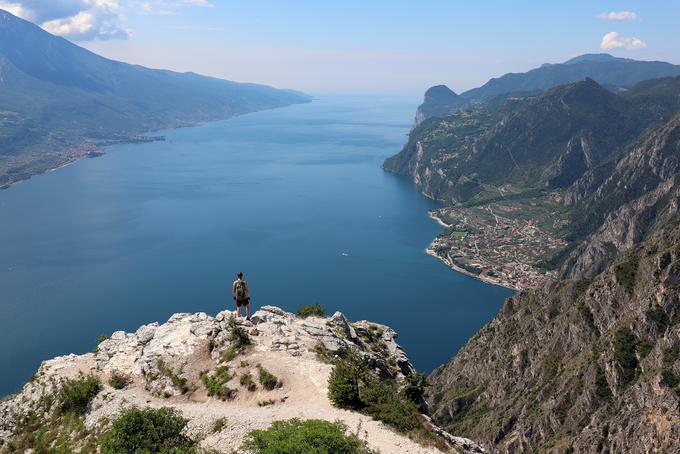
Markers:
point(611, 72)
point(60, 101)
point(586, 359)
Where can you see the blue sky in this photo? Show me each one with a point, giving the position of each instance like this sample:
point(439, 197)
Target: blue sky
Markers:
point(386, 46)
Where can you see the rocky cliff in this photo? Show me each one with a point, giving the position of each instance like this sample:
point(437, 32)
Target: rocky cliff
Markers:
point(574, 192)
point(176, 364)
point(587, 365)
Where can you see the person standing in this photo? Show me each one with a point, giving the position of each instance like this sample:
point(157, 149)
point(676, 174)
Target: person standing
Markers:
point(241, 294)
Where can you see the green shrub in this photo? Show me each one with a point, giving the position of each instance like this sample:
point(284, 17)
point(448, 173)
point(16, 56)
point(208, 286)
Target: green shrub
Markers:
point(311, 310)
point(239, 340)
point(310, 436)
point(75, 396)
point(216, 383)
point(147, 431)
point(219, 425)
point(101, 338)
point(588, 317)
point(352, 385)
point(668, 375)
point(602, 390)
point(267, 379)
point(624, 354)
point(178, 381)
point(345, 380)
point(118, 380)
point(415, 387)
point(626, 273)
point(657, 316)
point(247, 381)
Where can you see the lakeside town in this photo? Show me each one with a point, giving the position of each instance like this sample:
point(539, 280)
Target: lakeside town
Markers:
point(493, 248)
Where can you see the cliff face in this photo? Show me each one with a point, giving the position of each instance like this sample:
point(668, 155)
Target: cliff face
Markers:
point(580, 366)
point(621, 205)
point(583, 183)
point(166, 365)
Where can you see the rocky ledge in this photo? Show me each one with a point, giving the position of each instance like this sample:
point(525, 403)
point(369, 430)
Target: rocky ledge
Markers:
point(164, 365)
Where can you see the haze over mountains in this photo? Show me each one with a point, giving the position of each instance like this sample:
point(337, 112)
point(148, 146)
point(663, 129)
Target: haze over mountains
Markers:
point(60, 101)
point(587, 361)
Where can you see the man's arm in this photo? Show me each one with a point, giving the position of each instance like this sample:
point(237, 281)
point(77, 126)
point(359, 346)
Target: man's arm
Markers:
point(247, 290)
point(233, 290)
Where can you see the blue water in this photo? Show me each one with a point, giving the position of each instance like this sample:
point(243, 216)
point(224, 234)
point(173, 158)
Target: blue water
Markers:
point(152, 229)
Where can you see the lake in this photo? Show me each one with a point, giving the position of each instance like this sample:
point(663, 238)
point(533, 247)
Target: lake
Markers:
point(293, 197)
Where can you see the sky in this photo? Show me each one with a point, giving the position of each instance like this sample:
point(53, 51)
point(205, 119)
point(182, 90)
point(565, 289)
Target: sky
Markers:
point(359, 46)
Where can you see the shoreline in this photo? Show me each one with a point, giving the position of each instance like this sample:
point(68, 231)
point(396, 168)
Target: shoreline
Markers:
point(133, 138)
point(433, 215)
point(487, 280)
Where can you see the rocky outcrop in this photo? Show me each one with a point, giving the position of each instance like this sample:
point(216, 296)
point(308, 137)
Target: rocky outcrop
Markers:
point(624, 204)
point(583, 366)
point(164, 365)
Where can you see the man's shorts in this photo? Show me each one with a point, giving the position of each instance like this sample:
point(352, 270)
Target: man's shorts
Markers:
point(244, 302)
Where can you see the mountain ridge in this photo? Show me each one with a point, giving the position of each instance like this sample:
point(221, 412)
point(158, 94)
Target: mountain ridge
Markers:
point(609, 71)
point(572, 196)
point(61, 101)
point(174, 365)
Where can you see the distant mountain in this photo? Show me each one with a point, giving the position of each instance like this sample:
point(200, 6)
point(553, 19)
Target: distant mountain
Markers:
point(439, 100)
point(602, 58)
point(611, 72)
point(527, 143)
point(603, 68)
point(59, 100)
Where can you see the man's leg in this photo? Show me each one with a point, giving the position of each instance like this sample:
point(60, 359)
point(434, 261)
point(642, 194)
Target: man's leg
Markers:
point(238, 310)
point(248, 311)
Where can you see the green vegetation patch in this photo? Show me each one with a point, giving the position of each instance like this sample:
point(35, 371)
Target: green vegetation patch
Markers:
point(311, 310)
point(668, 375)
point(219, 425)
point(75, 395)
point(587, 315)
point(658, 317)
point(247, 381)
point(352, 385)
point(118, 380)
point(148, 431)
point(55, 434)
point(267, 379)
point(295, 436)
point(624, 354)
point(176, 377)
point(626, 273)
point(216, 383)
point(239, 340)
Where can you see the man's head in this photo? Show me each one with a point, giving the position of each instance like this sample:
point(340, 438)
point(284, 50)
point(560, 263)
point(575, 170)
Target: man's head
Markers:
point(240, 275)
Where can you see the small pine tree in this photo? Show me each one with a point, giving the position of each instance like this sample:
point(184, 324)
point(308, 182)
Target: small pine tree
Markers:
point(415, 387)
point(345, 380)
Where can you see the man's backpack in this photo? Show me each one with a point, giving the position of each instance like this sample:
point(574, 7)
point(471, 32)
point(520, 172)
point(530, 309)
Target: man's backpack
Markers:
point(241, 293)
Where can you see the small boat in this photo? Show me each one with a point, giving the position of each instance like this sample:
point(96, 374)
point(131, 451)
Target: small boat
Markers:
point(345, 254)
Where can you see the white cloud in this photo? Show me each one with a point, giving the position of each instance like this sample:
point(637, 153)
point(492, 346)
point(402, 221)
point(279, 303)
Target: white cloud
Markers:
point(613, 40)
point(86, 26)
point(618, 15)
point(90, 20)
